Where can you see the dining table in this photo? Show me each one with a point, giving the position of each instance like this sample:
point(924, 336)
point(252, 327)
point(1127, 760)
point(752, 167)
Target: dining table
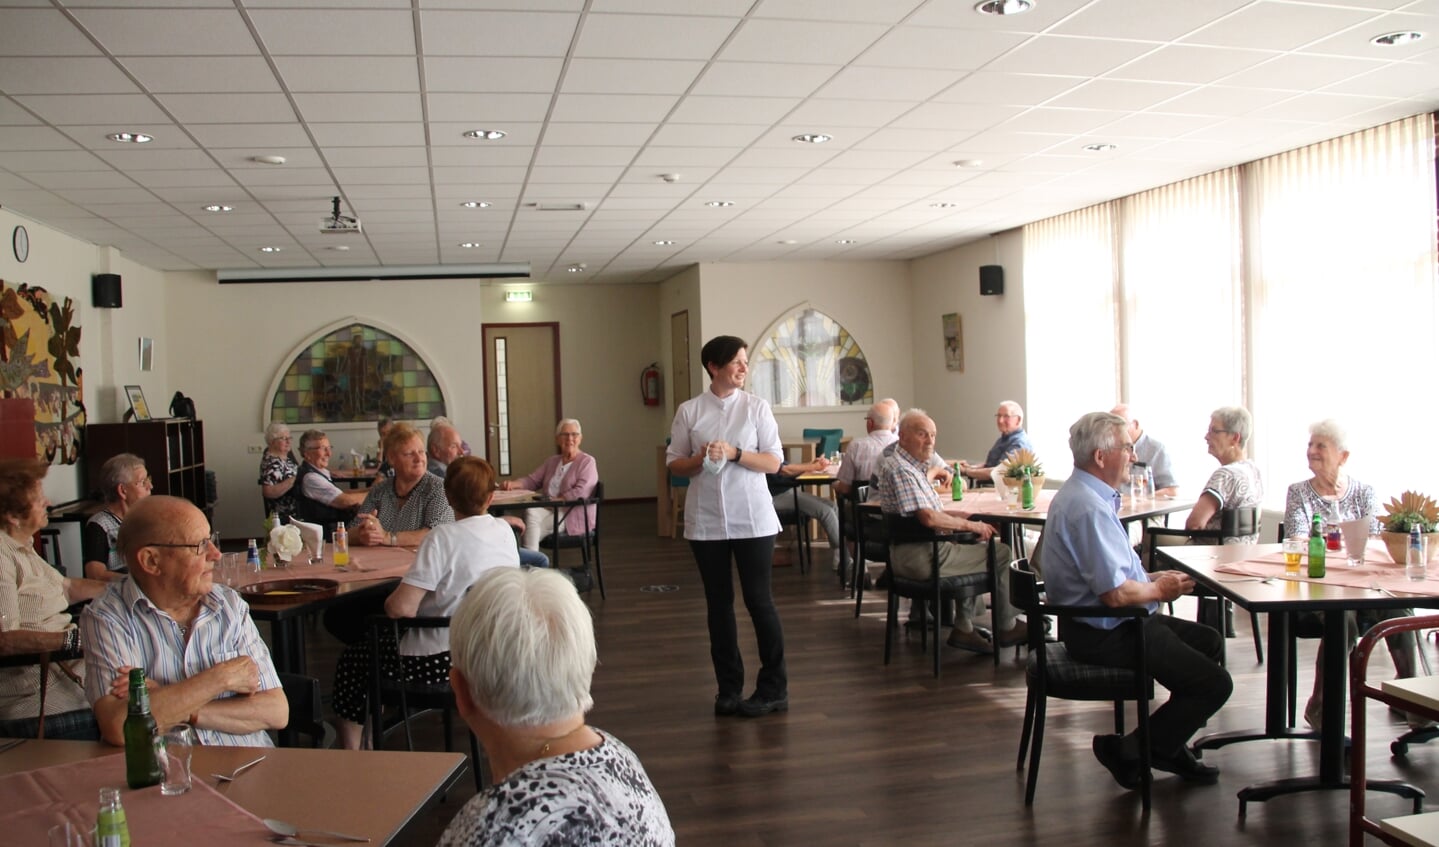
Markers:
point(371, 570)
point(373, 794)
point(1253, 576)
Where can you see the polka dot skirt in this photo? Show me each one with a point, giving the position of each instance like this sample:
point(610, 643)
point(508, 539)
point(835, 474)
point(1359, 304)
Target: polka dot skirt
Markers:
point(352, 674)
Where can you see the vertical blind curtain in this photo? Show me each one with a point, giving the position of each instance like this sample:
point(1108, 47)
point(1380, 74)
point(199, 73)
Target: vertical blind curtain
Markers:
point(1071, 340)
point(1302, 286)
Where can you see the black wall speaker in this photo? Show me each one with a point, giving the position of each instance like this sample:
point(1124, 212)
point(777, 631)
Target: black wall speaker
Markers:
point(105, 289)
point(991, 279)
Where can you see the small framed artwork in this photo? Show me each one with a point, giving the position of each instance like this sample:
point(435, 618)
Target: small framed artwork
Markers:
point(137, 402)
point(147, 354)
point(953, 342)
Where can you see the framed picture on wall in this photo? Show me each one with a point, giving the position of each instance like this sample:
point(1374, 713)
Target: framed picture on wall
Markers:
point(953, 342)
point(137, 402)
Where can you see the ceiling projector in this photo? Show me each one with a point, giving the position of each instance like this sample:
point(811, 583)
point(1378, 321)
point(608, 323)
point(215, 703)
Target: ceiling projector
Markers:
point(338, 224)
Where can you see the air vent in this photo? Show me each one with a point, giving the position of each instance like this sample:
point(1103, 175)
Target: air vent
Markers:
point(560, 207)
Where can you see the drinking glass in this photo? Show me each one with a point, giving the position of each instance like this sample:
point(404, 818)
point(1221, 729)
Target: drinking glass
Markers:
point(1356, 539)
point(233, 568)
point(1294, 549)
point(172, 751)
point(68, 834)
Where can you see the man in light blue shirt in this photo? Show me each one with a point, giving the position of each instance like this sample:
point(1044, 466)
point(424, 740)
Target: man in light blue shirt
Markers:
point(1087, 560)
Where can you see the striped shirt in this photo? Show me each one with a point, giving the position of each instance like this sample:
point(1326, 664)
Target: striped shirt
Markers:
point(122, 627)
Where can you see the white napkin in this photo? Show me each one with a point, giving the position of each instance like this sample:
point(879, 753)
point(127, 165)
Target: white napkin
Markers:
point(312, 537)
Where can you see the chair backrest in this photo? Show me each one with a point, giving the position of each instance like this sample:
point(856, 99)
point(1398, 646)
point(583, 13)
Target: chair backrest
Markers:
point(306, 717)
point(1241, 521)
point(1024, 588)
point(828, 439)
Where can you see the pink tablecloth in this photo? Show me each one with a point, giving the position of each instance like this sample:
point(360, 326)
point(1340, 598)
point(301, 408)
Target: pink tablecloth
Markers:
point(987, 501)
point(366, 563)
point(1378, 570)
point(39, 799)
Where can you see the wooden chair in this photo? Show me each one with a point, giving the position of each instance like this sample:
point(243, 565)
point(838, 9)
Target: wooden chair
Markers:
point(411, 698)
point(1232, 522)
point(46, 660)
point(906, 529)
point(1053, 672)
point(589, 543)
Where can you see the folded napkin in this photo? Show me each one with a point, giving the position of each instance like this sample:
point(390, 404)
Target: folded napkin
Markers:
point(312, 538)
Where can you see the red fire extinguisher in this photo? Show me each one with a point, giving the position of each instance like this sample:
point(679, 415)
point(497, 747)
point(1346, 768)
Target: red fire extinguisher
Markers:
point(650, 384)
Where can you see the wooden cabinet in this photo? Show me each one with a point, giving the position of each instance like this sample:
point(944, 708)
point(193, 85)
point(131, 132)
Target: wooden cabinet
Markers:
point(173, 450)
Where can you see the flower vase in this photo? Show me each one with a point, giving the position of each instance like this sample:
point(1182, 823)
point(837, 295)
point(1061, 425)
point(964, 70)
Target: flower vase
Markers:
point(1398, 545)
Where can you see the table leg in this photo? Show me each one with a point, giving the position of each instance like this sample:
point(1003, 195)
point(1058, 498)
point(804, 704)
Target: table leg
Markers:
point(288, 645)
point(1276, 685)
point(843, 547)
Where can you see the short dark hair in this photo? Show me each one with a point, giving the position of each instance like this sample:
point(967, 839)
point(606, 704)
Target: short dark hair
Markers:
point(720, 351)
point(469, 482)
point(19, 485)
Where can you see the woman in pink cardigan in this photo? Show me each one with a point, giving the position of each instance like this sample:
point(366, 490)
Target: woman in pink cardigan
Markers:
point(570, 475)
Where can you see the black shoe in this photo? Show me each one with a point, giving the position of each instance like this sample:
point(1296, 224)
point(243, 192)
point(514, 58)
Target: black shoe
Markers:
point(757, 705)
point(726, 704)
point(1109, 750)
point(1185, 766)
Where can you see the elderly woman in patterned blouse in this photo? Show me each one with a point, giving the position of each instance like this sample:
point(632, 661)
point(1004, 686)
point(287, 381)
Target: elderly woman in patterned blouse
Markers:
point(522, 647)
point(277, 472)
point(399, 511)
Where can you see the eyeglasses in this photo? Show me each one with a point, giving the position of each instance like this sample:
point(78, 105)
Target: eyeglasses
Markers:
point(199, 548)
point(1213, 431)
point(1126, 447)
point(569, 435)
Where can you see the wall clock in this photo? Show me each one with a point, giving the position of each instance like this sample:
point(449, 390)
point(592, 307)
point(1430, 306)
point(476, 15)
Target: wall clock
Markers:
point(20, 241)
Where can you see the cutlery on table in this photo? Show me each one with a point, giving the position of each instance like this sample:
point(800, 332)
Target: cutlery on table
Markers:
point(10, 745)
point(290, 831)
point(237, 771)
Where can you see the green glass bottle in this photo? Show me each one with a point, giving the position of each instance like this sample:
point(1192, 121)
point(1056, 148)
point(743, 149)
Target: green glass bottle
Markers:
point(1316, 548)
point(1026, 493)
point(111, 829)
point(141, 769)
point(956, 484)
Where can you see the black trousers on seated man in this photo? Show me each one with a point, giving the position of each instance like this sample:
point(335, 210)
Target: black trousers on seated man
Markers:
point(1183, 657)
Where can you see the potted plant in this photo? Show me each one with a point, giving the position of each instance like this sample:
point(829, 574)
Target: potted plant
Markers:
point(1017, 464)
point(1405, 511)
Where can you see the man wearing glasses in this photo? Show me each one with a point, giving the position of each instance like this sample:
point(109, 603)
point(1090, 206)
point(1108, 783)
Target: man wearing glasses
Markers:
point(1088, 562)
point(203, 658)
point(1010, 422)
point(317, 499)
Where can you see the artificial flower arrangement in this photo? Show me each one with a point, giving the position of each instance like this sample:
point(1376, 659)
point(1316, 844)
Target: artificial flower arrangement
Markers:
point(284, 543)
point(1408, 510)
point(1020, 463)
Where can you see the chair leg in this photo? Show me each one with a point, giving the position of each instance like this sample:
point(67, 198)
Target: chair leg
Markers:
point(1025, 730)
point(1119, 717)
point(1033, 777)
point(891, 621)
point(1258, 640)
point(1146, 776)
point(1293, 683)
point(599, 571)
point(938, 618)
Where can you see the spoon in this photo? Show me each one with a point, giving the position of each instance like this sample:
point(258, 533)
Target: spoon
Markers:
point(290, 830)
point(237, 771)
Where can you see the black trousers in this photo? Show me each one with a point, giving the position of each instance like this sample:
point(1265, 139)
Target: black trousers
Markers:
point(754, 560)
point(1183, 656)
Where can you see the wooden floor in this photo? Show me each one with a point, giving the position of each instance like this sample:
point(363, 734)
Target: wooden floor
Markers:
point(871, 755)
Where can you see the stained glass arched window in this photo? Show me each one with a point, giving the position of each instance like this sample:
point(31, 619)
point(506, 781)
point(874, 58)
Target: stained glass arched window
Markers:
point(808, 359)
point(356, 372)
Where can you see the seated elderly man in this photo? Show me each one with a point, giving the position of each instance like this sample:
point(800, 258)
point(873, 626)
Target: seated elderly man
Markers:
point(443, 446)
point(1088, 561)
point(571, 474)
point(317, 499)
point(1010, 422)
point(782, 489)
point(863, 455)
point(203, 658)
point(905, 489)
point(1149, 452)
point(123, 483)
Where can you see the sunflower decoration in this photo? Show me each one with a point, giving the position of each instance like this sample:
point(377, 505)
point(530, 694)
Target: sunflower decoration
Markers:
point(1020, 462)
point(1408, 509)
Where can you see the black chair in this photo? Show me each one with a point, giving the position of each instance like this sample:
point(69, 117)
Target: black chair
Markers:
point(871, 544)
point(589, 543)
point(1213, 610)
point(934, 590)
point(306, 716)
point(790, 488)
point(411, 698)
point(1053, 672)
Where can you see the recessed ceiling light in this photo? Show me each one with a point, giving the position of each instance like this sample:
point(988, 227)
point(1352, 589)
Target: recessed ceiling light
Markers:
point(218, 207)
point(787, 241)
point(1100, 148)
point(844, 241)
point(131, 137)
point(1394, 39)
point(1004, 7)
point(339, 248)
point(812, 138)
point(576, 267)
point(476, 204)
point(270, 249)
point(720, 204)
point(663, 242)
point(268, 160)
point(469, 245)
point(969, 163)
point(943, 205)
point(484, 134)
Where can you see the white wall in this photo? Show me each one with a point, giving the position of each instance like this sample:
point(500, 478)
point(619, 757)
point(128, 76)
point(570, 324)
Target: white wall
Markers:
point(870, 299)
point(963, 404)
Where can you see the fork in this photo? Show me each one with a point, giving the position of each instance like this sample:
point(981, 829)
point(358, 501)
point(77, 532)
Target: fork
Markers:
point(237, 771)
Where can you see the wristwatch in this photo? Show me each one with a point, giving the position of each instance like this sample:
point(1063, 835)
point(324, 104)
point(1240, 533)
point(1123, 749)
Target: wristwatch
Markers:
point(737, 453)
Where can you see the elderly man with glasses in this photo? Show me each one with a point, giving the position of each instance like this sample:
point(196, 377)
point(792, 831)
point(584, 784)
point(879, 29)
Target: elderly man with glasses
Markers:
point(1010, 422)
point(203, 657)
point(317, 498)
point(1088, 562)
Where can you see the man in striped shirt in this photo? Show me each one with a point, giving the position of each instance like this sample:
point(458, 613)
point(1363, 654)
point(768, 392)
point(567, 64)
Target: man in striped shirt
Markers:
point(203, 658)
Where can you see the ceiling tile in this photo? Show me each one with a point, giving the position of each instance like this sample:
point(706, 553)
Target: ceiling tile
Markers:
point(1144, 19)
point(186, 74)
point(763, 79)
point(629, 76)
point(470, 33)
point(214, 108)
point(1062, 55)
point(119, 109)
point(129, 158)
point(800, 41)
point(826, 115)
point(1277, 26)
point(1223, 100)
point(376, 157)
point(37, 32)
point(1009, 89)
point(652, 36)
point(1190, 63)
point(483, 110)
point(34, 138)
point(950, 49)
point(70, 75)
point(376, 108)
point(484, 73)
point(866, 83)
point(1397, 80)
point(726, 110)
point(614, 108)
point(601, 134)
point(169, 32)
point(1299, 72)
point(54, 160)
point(335, 32)
point(1130, 95)
point(329, 74)
point(954, 116)
point(368, 135)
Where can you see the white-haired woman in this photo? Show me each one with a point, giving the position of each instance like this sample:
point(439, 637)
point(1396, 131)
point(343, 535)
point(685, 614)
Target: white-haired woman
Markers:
point(277, 472)
point(522, 650)
point(571, 474)
point(1235, 484)
point(1335, 496)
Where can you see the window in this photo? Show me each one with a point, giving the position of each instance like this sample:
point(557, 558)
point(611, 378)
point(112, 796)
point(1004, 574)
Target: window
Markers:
point(809, 360)
point(356, 373)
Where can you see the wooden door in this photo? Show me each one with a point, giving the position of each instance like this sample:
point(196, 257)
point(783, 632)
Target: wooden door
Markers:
point(522, 395)
point(680, 357)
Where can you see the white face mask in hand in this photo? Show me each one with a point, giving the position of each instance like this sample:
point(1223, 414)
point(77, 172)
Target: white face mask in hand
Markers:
point(714, 466)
